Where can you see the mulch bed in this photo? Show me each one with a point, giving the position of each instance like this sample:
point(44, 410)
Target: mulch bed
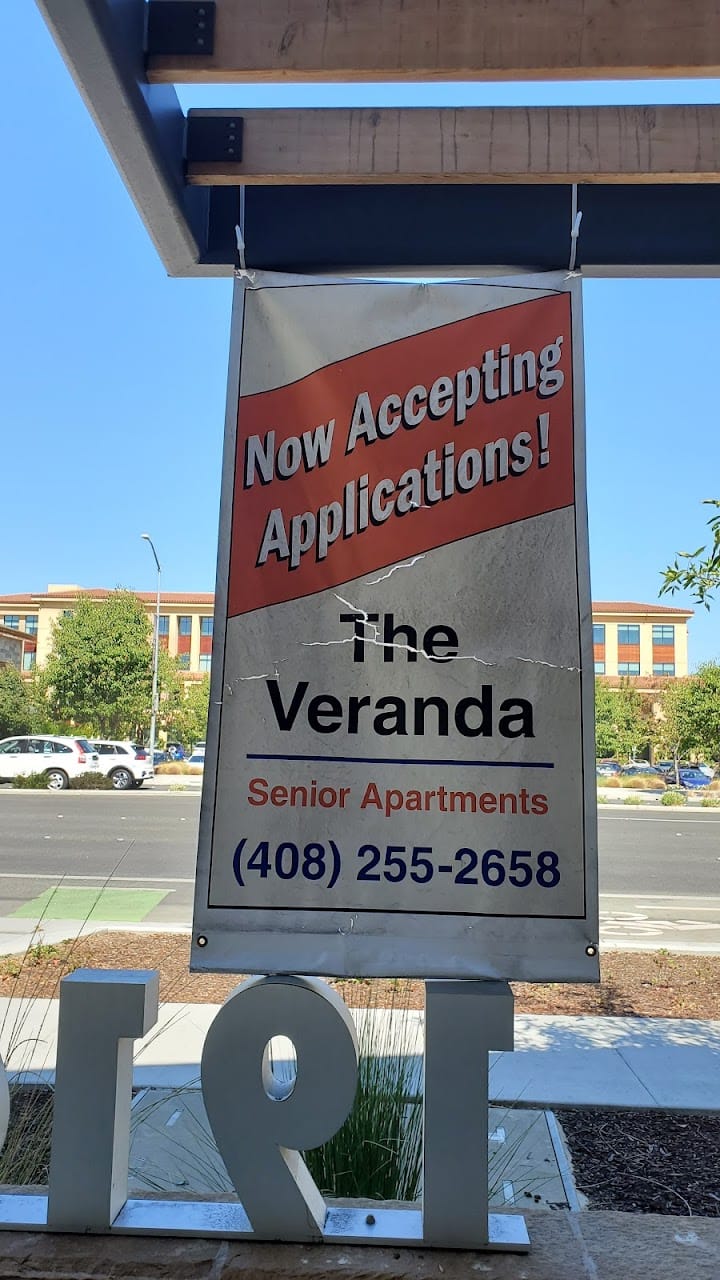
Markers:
point(657, 984)
point(645, 1161)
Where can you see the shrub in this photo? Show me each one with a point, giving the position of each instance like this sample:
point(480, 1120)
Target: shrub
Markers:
point(178, 766)
point(30, 782)
point(632, 800)
point(710, 802)
point(641, 782)
point(714, 785)
point(674, 797)
point(84, 782)
point(91, 782)
point(377, 1154)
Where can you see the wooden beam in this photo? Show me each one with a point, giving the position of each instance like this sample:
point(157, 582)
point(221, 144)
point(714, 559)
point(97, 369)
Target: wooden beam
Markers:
point(271, 40)
point(474, 145)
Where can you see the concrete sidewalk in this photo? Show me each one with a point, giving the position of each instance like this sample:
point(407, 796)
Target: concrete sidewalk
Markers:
point(667, 1063)
point(18, 935)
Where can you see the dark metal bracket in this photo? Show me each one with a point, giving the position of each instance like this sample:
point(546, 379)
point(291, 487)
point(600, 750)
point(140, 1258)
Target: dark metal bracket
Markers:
point(213, 137)
point(180, 27)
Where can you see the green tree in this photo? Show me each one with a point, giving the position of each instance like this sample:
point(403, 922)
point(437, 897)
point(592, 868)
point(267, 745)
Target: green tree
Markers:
point(16, 711)
point(99, 673)
point(171, 687)
point(187, 721)
point(697, 571)
point(691, 714)
point(621, 722)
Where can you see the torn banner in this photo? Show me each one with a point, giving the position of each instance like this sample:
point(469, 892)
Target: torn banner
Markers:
point(400, 775)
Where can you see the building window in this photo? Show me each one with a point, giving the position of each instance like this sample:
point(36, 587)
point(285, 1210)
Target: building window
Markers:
point(628, 668)
point(205, 660)
point(164, 624)
point(12, 620)
point(599, 668)
point(663, 668)
point(184, 625)
point(629, 635)
point(28, 661)
point(184, 661)
point(598, 632)
point(67, 613)
point(31, 624)
point(663, 635)
point(206, 626)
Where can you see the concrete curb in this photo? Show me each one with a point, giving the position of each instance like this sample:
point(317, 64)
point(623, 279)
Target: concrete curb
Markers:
point(615, 797)
point(564, 1246)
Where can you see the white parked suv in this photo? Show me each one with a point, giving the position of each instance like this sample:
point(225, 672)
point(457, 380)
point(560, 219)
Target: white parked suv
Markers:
point(127, 765)
point(60, 759)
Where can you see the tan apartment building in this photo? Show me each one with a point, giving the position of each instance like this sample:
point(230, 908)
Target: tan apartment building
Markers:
point(629, 639)
point(186, 621)
point(632, 639)
point(13, 646)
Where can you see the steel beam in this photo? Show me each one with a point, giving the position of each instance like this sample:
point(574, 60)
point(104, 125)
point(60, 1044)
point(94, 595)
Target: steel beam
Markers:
point(625, 230)
point(142, 125)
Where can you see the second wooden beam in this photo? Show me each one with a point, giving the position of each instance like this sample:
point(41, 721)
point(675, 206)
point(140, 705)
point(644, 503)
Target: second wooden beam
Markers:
point(665, 144)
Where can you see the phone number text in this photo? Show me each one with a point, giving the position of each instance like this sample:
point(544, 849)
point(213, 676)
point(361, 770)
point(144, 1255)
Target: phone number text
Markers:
point(324, 864)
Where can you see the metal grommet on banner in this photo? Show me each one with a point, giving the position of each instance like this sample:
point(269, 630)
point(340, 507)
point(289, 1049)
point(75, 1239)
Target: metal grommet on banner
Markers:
point(241, 271)
point(576, 219)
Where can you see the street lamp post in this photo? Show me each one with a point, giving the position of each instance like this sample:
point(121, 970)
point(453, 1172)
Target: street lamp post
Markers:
point(156, 650)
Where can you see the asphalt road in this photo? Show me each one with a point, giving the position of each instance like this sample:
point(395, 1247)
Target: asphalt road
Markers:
point(659, 872)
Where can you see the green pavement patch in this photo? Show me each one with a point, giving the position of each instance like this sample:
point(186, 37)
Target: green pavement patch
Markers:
point(113, 905)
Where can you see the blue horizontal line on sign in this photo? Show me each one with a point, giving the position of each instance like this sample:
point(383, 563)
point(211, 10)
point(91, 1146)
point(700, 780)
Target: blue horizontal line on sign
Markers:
point(468, 764)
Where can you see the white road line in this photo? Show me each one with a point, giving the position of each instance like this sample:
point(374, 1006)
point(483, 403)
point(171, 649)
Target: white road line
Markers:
point(704, 899)
point(638, 817)
point(107, 881)
point(508, 1191)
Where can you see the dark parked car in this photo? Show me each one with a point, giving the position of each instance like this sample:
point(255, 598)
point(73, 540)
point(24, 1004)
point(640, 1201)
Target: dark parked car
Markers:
point(665, 766)
point(640, 768)
point(607, 768)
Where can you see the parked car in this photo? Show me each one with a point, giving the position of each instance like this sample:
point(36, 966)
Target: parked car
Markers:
point(60, 759)
point(160, 757)
point(666, 767)
point(637, 768)
point(126, 764)
point(607, 768)
point(693, 779)
point(198, 757)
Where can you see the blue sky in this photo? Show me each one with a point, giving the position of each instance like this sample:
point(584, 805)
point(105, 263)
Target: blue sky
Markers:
point(113, 377)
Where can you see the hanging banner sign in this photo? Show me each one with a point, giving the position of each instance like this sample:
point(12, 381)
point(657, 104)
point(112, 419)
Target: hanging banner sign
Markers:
point(400, 768)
